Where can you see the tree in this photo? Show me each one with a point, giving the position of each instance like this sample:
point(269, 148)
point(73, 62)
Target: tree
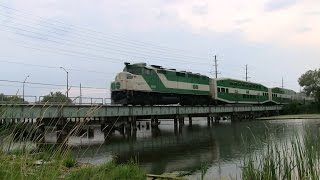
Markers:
point(11, 99)
point(310, 81)
point(56, 97)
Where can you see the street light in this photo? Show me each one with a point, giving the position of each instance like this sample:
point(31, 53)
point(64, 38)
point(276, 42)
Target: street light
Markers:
point(67, 80)
point(23, 87)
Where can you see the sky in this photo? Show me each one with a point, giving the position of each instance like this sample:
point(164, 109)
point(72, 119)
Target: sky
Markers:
point(92, 39)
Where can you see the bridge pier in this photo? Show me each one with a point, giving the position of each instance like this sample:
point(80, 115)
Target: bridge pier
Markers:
point(217, 119)
point(41, 130)
point(155, 122)
point(181, 121)
point(62, 132)
point(190, 120)
point(175, 121)
point(208, 120)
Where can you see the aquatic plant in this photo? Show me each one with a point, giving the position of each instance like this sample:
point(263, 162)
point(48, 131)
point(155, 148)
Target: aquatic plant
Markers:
point(46, 161)
point(297, 159)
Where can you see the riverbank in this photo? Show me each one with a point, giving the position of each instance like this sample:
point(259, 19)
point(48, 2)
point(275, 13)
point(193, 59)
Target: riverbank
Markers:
point(16, 165)
point(298, 116)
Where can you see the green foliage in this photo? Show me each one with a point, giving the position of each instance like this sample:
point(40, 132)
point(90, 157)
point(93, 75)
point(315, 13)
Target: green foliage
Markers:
point(56, 97)
point(297, 108)
point(10, 99)
point(310, 81)
point(69, 161)
point(109, 171)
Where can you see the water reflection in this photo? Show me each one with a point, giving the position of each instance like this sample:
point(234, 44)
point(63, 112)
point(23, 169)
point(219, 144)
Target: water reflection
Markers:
point(187, 148)
point(171, 148)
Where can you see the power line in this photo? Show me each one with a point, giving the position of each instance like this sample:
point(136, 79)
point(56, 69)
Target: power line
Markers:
point(80, 37)
point(54, 67)
point(85, 45)
point(166, 49)
point(49, 84)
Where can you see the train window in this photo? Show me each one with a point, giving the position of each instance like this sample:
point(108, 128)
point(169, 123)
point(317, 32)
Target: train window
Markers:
point(227, 90)
point(223, 90)
point(129, 77)
point(219, 90)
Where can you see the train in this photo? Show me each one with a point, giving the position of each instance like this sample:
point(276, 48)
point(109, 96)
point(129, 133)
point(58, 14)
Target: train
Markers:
point(140, 84)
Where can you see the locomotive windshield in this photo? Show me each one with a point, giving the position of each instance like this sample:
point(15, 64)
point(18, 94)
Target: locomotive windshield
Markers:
point(133, 69)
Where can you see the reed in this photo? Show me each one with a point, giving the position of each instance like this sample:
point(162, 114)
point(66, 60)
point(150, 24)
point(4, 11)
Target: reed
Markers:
point(297, 159)
point(22, 160)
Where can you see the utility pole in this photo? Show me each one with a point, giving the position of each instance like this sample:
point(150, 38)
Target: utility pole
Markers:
point(216, 66)
point(80, 94)
point(282, 83)
point(246, 72)
point(67, 81)
point(23, 87)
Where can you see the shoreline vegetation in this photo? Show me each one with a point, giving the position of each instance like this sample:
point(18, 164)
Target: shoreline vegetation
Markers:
point(296, 116)
point(18, 165)
point(297, 159)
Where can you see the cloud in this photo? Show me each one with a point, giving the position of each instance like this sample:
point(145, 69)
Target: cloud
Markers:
point(273, 5)
point(249, 19)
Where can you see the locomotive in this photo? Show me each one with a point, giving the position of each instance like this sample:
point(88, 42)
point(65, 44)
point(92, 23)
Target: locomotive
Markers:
point(140, 84)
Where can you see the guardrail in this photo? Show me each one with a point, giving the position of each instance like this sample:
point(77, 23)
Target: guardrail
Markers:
point(33, 100)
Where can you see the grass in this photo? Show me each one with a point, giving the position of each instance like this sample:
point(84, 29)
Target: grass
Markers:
point(32, 166)
point(51, 161)
point(297, 159)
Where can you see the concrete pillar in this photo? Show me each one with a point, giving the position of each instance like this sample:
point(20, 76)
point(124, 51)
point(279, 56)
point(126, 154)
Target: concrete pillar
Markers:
point(190, 120)
point(181, 121)
point(62, 131)
point(154, 122)
point(40, 132)
point(147, 125)
point(134, 123)
point(175, 121)
point(217, 119)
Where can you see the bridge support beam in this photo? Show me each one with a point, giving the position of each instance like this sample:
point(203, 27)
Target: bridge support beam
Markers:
point(62, 131)
point(155, 122)
point(175, 121)
point(209, 120)
point(217, 119)
point(190, 120)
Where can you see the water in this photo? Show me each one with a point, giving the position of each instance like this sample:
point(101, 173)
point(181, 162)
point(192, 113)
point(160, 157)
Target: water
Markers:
point(219, 148)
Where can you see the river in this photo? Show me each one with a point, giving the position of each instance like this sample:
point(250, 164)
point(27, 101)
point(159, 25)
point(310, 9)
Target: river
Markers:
point(219, 148)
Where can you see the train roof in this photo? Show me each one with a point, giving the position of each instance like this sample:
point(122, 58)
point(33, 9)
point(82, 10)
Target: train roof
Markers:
point(240, 81)
point(157, 67)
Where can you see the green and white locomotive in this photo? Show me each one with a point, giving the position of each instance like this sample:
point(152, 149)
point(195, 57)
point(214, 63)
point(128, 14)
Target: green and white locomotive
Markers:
point(140, 84)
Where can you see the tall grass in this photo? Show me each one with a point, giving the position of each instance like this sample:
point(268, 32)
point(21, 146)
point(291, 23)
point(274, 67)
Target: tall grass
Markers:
point(297, 159)
point(51, 161)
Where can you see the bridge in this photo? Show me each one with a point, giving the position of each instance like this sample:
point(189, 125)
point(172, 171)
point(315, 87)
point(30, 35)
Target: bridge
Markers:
point(122, 117)
point(22, 111)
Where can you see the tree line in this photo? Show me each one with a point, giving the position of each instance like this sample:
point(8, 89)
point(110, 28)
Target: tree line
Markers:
point(52, 97)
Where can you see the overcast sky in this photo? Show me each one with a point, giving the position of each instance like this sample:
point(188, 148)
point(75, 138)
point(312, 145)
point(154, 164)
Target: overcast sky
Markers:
point(92, 39)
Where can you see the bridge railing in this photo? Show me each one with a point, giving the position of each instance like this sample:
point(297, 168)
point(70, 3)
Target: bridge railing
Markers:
point(17, 99)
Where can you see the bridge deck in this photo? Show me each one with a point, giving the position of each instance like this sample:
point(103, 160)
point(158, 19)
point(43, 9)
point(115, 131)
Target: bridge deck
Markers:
point(76, 111)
